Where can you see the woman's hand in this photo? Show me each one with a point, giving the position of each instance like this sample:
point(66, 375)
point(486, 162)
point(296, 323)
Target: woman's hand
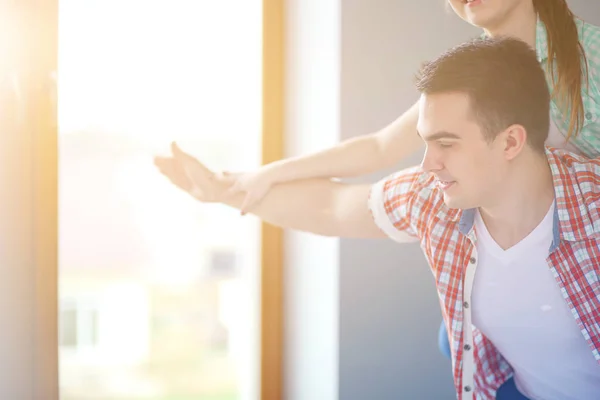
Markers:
point(254, 184)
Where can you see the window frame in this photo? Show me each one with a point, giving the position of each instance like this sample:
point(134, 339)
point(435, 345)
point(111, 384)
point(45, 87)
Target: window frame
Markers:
point(37, 36)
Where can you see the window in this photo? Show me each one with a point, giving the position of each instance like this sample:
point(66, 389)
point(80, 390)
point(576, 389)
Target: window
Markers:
point(78, 326)
point(68, 328)
point(175, 285)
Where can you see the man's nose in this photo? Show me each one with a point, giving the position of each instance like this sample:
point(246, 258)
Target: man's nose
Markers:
point(431, 160)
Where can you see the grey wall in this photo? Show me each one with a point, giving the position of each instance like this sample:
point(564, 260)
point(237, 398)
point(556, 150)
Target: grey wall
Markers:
point(389, 312)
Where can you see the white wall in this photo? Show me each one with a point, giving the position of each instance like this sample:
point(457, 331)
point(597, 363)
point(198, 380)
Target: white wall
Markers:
point(311, 273)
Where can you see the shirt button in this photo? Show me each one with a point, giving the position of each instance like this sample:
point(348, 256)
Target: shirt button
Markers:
point(588, 115)
point(467, 388)
point(466, 304)
point(467, 347)
point(472, 260)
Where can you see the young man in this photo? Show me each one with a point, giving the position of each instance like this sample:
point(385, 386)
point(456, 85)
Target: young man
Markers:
point(510, 228)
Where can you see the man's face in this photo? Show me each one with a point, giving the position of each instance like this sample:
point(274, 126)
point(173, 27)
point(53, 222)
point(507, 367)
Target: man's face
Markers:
point(469, 169)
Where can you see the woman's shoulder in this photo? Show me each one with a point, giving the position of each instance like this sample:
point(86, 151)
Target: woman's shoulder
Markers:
point(589, 36)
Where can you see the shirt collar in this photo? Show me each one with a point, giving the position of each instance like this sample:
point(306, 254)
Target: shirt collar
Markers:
point(572, 221)
point(572, 214)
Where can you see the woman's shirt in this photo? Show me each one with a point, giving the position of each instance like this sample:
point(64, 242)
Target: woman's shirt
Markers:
point(587, 141)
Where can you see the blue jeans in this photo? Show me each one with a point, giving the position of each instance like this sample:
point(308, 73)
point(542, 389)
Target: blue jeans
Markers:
point(443, 343)
point(508, 390)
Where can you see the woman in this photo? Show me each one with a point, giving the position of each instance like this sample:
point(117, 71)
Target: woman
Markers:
point(567, 47)
point(547, 25)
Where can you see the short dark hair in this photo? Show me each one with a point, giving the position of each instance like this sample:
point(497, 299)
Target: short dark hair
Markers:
point(505, 83)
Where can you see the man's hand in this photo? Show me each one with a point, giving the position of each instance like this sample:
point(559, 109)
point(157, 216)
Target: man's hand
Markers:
point(188, 174)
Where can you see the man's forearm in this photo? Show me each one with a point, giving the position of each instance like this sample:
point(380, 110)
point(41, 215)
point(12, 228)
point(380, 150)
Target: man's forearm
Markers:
point(319, 206)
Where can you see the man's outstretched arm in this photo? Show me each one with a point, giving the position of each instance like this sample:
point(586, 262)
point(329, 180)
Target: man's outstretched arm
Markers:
point(319, 206)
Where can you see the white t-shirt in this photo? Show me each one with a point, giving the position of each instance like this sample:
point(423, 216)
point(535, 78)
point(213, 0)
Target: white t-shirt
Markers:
point(518, 305)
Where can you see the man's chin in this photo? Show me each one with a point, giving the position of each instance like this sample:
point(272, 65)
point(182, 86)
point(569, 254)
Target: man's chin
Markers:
point(455, 202)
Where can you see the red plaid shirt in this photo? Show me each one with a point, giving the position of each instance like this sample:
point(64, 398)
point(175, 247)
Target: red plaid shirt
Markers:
point(408, 205)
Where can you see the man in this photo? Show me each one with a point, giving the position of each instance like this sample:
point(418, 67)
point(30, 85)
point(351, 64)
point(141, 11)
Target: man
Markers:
point(490, 197)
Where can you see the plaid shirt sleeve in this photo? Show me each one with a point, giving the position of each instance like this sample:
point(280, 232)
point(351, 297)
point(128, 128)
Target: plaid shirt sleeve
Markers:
point(399, 201)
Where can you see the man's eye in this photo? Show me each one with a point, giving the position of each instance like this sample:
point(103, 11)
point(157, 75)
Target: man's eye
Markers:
point(444, 145)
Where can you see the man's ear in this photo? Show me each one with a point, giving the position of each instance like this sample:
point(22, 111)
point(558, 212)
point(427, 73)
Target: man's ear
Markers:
point(514, 139)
